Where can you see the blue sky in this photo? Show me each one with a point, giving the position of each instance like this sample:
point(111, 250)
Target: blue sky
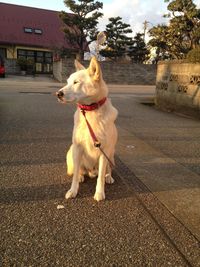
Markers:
point(134, 12)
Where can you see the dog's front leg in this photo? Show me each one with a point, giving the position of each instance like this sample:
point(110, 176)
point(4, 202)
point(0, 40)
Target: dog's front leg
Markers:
point(76, 155)
point(100, 187)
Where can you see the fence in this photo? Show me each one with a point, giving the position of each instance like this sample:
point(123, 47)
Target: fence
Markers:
point(117, 73)
point(178, 86)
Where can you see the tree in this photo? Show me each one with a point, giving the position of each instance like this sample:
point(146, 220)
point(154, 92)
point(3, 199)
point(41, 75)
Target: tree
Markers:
point(138, 51)
point(117, 39)
point(183, 32)
point(194, 55)
point(160, 42)
point(82, 23)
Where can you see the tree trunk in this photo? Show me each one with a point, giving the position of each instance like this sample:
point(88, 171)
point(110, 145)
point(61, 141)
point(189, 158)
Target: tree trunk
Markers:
point(80, 55)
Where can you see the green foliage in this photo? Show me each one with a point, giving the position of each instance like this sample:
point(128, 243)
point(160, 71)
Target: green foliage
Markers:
point(138, 51)
point(183, 32)
point(82, 23)
point(161, 42)
point(117, 39)
point(22, 62)
point(194, 55)
point(30, 62)
point(61, 52)
point(25, 63)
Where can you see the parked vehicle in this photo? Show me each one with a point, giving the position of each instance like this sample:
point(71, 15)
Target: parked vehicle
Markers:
point(2, 68)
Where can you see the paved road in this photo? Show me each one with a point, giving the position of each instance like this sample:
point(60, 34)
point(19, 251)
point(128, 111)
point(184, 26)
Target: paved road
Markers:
point(156, 151)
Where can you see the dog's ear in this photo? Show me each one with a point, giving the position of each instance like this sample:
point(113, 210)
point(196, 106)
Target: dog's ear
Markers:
point(78, 65)
point(95, 69)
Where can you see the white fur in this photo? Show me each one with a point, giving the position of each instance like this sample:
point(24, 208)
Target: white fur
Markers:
point(86, 86)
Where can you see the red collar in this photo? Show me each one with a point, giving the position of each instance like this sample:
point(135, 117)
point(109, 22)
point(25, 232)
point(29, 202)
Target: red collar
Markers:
point(92, 106)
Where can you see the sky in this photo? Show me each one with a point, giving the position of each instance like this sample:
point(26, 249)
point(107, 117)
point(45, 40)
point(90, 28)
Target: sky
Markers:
point(133, 12)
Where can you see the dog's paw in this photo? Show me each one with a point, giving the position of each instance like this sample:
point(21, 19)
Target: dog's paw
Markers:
point(99, 196)
point(109, 179)
point(70, 194)
point(92, 174)
point(81, 179)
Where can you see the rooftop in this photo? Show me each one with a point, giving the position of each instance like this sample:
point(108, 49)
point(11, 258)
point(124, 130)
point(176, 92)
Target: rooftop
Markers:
point(14, 19)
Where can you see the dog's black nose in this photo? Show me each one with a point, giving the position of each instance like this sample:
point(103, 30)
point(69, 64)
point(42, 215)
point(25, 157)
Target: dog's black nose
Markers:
point(60, 94)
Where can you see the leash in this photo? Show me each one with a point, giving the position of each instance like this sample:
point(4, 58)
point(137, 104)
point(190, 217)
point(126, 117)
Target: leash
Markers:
point(97, 144)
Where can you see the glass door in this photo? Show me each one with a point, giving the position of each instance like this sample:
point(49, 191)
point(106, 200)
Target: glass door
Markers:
point(43, 62)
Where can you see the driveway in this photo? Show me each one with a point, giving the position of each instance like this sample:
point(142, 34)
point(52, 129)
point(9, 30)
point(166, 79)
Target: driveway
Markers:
point(151, 214)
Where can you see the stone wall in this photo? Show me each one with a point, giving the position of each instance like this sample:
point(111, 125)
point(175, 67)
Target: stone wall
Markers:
point(178, 86)
point(11, 66)
point(62, 69)
point(117, 73)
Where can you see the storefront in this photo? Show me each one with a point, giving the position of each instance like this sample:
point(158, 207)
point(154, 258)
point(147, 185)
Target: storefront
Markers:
point(32, 34)
point(42, 60)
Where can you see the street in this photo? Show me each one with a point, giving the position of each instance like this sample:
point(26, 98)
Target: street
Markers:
point(151, 214)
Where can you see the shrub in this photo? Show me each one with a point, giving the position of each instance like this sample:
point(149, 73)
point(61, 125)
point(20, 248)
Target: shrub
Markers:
point(30, 62)
point(194, 55)
point(22, 62)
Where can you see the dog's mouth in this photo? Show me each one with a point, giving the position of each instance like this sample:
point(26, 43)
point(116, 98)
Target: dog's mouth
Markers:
point(60, 97)
point(62, 100)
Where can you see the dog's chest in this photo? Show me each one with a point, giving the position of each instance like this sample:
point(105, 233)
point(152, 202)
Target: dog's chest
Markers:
point(81, 133)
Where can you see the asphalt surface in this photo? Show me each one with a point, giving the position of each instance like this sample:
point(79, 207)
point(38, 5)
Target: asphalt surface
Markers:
point(132, 227)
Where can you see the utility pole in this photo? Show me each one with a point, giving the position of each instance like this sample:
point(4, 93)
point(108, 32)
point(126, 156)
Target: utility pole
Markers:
point(146, 23)
point(145, 28)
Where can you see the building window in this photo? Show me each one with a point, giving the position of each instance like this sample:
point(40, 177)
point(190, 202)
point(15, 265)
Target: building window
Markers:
point(38, 31)
point(3, 53)
point(21, 52)
point(42, 59)
point(28, 30)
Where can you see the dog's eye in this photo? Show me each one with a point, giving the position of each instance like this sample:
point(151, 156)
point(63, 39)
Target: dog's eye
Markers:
point(76, 81)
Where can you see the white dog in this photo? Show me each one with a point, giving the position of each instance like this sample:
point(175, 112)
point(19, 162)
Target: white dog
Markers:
point(87, 88)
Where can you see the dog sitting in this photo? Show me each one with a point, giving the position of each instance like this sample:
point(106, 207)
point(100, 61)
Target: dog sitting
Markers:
point(87, 88)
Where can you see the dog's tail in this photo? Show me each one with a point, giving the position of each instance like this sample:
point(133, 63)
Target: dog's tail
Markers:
point(69, 161)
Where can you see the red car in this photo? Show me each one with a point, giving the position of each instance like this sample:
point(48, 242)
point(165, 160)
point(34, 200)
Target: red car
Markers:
point(2, 68)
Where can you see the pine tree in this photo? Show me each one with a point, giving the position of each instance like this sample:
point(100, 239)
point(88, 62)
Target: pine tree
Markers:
point(138, 51)
point(183, 32)
point(160, 42)
point(117, 39)
point(82, 23)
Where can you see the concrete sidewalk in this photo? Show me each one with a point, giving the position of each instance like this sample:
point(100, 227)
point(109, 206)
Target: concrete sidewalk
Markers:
point(163, 150)
point(44, 78)
point(151, 215)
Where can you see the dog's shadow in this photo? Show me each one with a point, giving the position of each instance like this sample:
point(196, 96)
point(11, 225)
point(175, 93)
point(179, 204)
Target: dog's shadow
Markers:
point(115, 191)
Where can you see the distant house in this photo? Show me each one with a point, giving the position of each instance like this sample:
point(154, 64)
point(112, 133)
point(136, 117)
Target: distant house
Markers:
point(31, 33)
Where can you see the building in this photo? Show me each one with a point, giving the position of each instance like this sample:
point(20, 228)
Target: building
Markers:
point(31, 33)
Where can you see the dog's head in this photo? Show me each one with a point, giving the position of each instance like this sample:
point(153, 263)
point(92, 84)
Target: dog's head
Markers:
point(85, 86)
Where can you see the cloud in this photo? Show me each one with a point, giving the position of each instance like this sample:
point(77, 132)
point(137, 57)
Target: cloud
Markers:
point(118, 8)
point(135, 12)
